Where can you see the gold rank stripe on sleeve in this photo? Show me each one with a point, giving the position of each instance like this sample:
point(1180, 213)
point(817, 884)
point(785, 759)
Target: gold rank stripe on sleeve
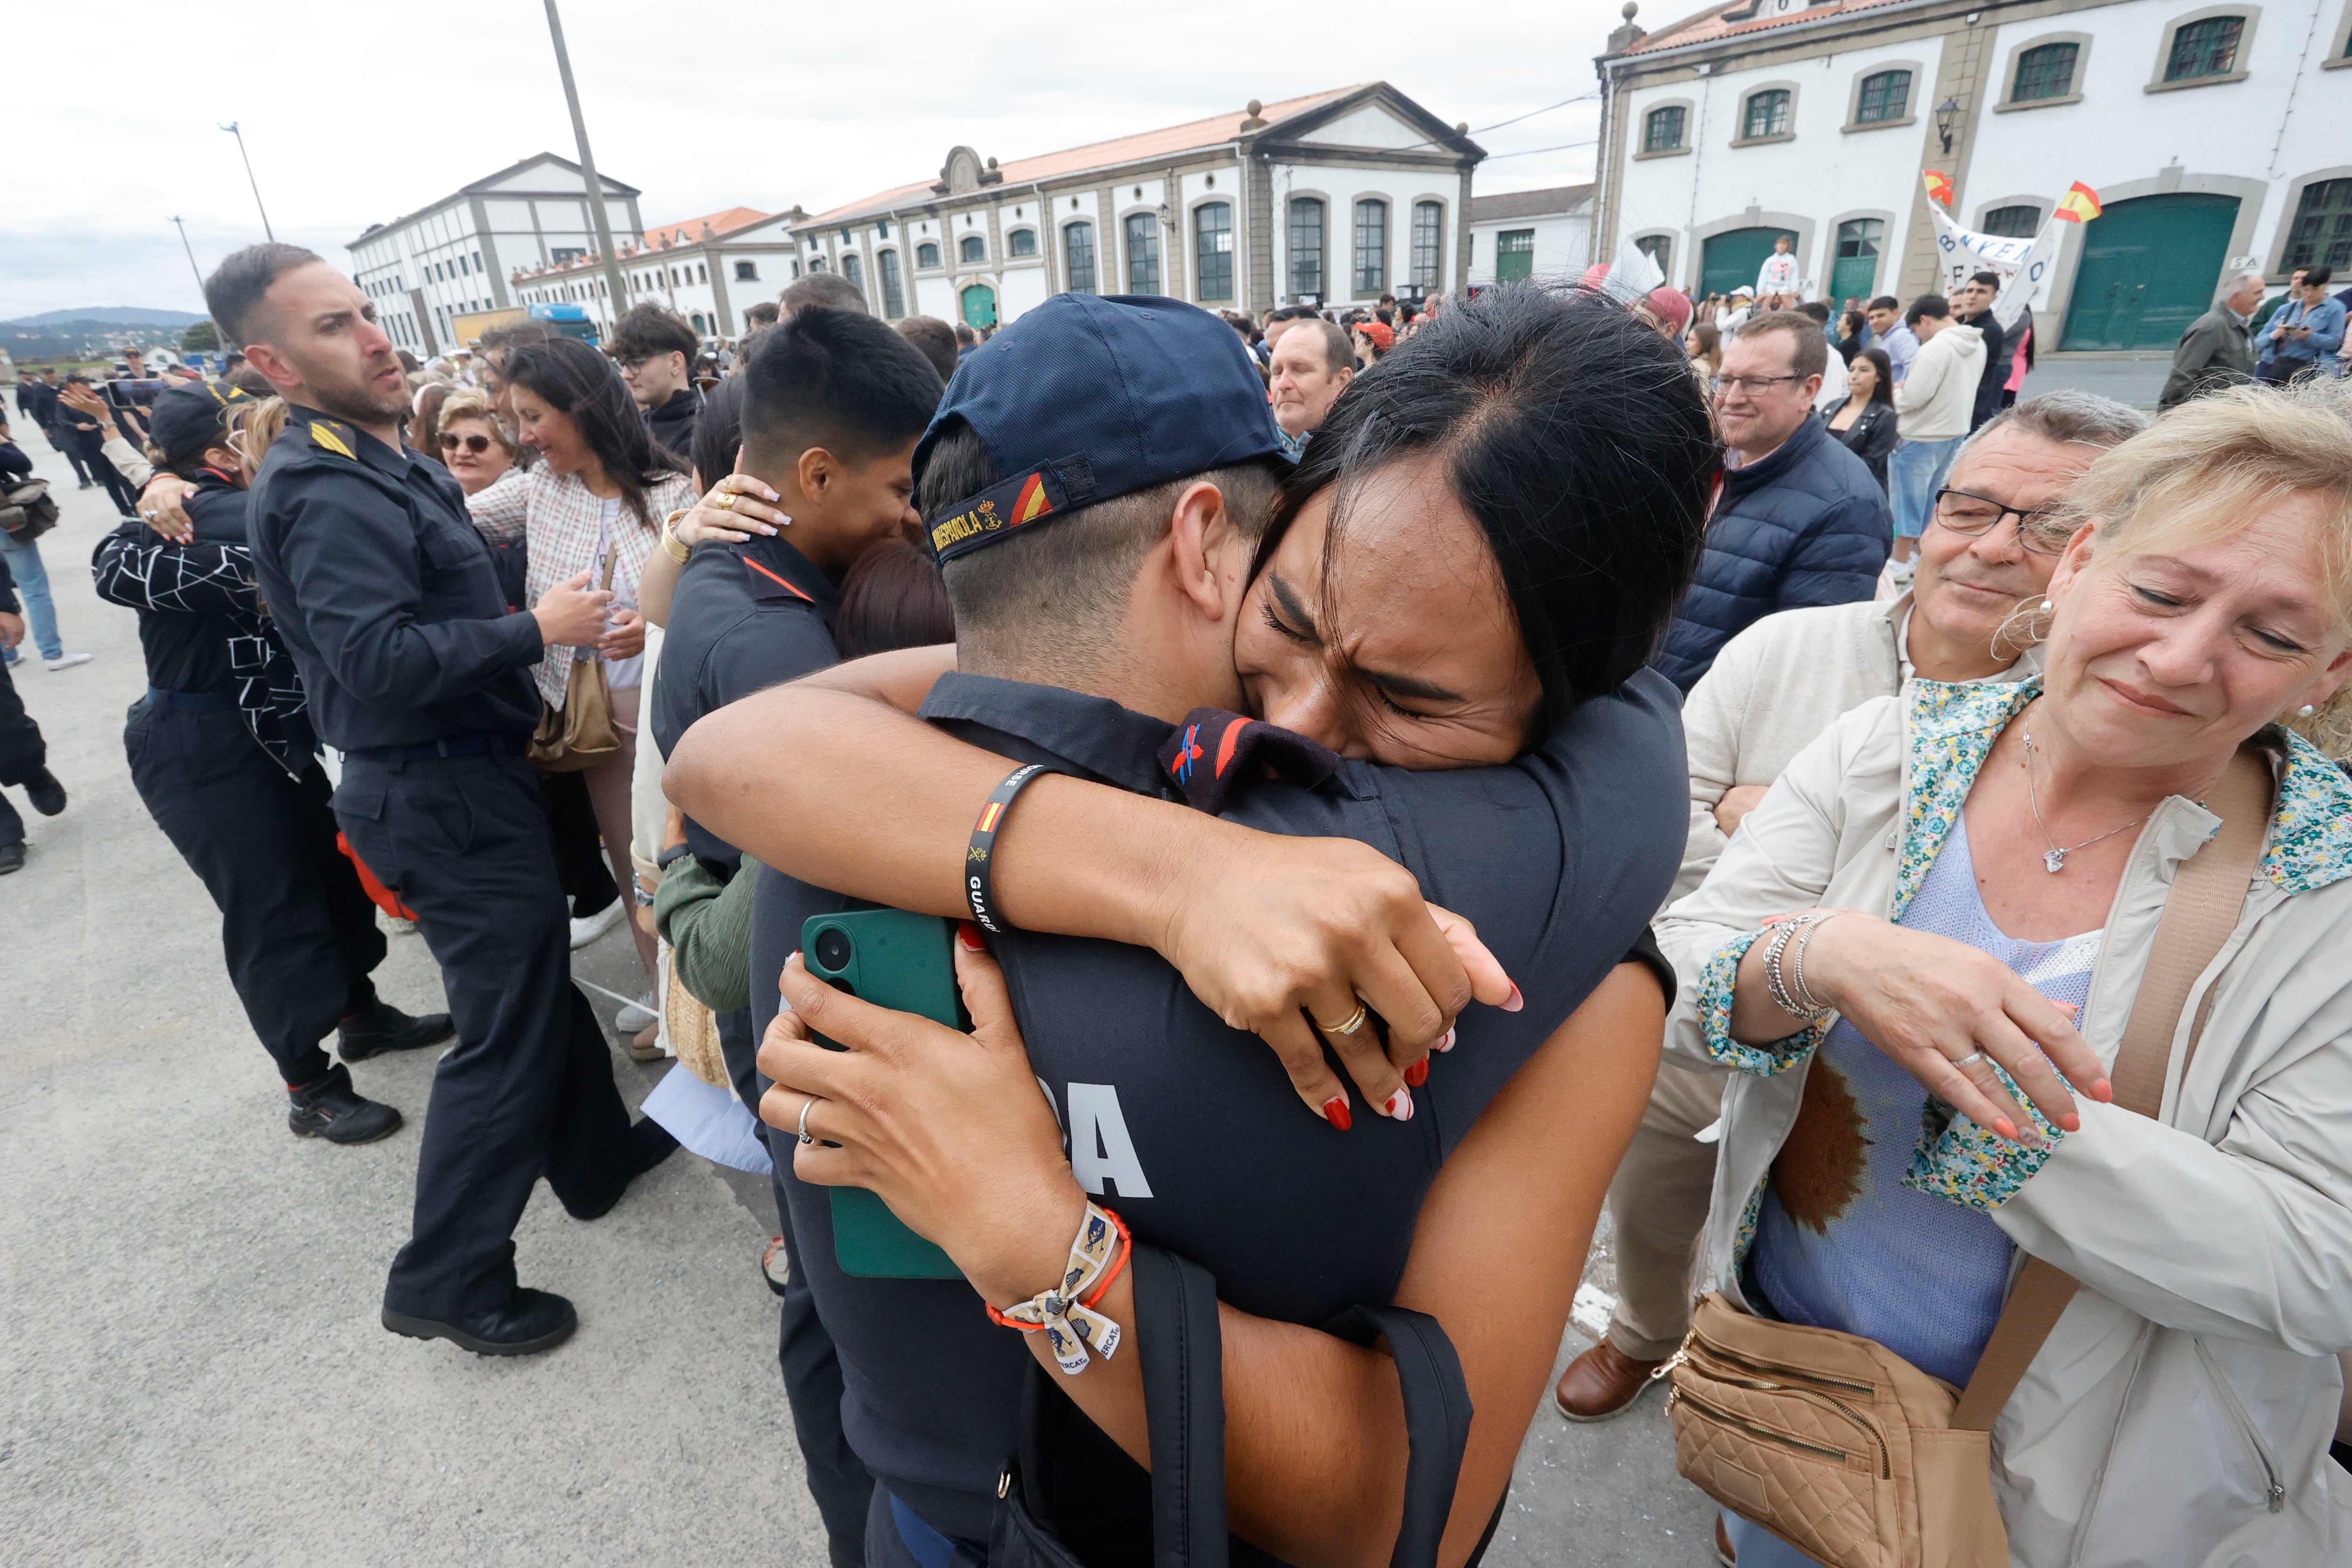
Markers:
point(332, 437)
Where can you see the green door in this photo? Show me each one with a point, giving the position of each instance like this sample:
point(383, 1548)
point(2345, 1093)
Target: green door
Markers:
point(979, 306)
point(1515, 255)
point(2148, 268)
point(1731, 260)
point(1856, 269)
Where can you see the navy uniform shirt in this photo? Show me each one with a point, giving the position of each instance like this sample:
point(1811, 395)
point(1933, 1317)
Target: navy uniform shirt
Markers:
point(1190, 1130)
point(385, 593)
point(743, 618)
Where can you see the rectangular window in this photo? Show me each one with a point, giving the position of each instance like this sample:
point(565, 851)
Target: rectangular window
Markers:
point(2209, 48)
point(1212, 251)
point(1885, 97)
point(1768, 115)
point(2013, 223)
point(1515, 255)
point(855, 270)
point(1662, 131)
point(1079, 257)
point(1428, 245)
point(1306, 248)
point(2045, 72)
point(1371, 246)
point(1142, 254)
point(2321, 235)
point(1021, 242)
point(926, 254)
point(894, 291)
point(747, 272)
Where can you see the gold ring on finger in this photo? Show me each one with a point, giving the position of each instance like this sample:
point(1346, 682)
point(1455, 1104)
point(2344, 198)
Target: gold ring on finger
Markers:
point(726, 501)
point(1348, 1026)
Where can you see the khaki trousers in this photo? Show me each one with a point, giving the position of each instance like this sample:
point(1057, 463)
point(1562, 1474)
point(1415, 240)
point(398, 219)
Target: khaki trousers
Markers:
point(1657, 1205)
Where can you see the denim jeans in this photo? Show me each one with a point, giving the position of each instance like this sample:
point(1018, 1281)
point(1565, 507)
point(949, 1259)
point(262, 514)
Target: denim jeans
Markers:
point(1914, 471)
point(33, 588)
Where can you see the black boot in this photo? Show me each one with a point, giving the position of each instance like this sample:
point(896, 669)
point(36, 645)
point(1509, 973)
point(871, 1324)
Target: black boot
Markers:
point(380, 1027)
point(649, 1144)
point(47, 796)
point(12, 856)
point(530, 1321)
point(332, 1109)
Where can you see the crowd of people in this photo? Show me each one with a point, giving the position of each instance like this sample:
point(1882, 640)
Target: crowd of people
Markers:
point(1398, 785)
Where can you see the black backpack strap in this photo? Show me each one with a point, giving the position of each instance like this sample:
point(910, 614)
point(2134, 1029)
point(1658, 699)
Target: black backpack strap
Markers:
point(1436, 1420)
point(1182, 1355)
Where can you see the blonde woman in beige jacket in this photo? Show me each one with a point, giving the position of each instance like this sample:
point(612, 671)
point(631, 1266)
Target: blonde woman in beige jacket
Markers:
point(1992, 847)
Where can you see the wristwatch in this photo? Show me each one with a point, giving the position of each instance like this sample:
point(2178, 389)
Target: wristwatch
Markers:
point(676, 549)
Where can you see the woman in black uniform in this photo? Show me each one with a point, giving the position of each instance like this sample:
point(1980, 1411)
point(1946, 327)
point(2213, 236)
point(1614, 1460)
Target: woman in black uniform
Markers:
point(222, 752)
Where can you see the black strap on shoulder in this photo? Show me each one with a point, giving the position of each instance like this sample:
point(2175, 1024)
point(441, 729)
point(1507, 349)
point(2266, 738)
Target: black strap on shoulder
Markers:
point(1436, 1420)
point(1182, 1354)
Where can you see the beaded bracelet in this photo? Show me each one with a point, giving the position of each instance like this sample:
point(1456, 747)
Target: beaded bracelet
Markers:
point(1775, 984)
point(1813, 1006)
point(1066, 1313)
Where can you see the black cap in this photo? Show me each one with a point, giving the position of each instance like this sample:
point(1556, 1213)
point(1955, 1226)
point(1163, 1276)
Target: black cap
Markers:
point(187, 419)
point(1092, 396)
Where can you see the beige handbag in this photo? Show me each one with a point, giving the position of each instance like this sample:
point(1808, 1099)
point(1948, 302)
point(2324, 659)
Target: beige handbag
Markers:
point(1843, 1449)
point(581, 733)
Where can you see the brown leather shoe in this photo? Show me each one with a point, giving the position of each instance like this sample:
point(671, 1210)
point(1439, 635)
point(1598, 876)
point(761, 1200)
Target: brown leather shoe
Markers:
point(1601, 1382)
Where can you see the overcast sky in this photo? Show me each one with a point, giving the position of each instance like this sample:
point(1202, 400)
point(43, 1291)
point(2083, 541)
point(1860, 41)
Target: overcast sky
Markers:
point(355, 113)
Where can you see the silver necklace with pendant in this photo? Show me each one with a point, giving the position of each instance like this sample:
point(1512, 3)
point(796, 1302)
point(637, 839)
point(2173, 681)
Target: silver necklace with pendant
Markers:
point(2053, 860)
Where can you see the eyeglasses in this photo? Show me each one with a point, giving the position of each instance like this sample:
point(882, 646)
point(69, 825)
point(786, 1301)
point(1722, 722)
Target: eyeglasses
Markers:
point(477, 445)
point(1972, 515)
point(1725, 386)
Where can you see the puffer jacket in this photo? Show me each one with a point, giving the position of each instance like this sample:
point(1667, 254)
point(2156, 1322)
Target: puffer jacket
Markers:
point(2179, 1412)
point(1806, 525)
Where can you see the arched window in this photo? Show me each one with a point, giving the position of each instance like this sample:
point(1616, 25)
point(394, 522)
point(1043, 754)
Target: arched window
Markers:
point(1079, 257)
point(972, 247)
point(1371, 246)
point(894, 289)
point(2045, 72)
point(1767, 114)
point(854, 270)
point(1212, 251)
point(1306, 248)
point(2020, 222)
point(927, 254)
point(1143, 253)
point(1662, 129)
point(2205, 48)
point(699, 327)
point(702, 274)
point(1428, 245)
point(1885, 96)
point(2321, 234)
point(1022, 242)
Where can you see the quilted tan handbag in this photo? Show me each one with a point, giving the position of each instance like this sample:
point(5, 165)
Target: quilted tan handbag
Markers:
point(1843, 1449)
point(581, 733)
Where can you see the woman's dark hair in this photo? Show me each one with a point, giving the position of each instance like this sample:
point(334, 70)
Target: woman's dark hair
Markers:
point(717, 432)
point(1883, 391)
point(892, 598)
point(581, 383)
point(1575, 434)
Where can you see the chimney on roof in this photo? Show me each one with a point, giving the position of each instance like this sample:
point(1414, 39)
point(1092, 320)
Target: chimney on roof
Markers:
point(1626, 36)
point(1255, 119)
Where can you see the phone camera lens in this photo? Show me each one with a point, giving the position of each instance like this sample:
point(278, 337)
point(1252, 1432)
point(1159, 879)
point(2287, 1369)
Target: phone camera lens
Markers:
point(832, 949)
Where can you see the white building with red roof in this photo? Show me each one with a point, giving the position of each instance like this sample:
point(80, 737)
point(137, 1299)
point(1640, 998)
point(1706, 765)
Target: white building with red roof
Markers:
point(708, 269)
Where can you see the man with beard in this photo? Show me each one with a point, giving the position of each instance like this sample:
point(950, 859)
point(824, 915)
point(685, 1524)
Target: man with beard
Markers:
point(386, 596)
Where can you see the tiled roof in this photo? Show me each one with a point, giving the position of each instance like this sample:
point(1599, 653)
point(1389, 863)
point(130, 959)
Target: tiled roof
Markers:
point(1528, 204)
point(1173, 141)
point(690, 231)
point(1723, 22)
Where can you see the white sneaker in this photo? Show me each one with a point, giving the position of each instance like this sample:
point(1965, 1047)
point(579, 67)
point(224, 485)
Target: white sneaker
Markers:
point(636, 1016)
point(586, 929)
point(67, 660)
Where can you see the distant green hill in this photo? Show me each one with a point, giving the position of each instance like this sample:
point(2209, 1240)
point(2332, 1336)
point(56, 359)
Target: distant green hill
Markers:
point(84, 337)
point(105, 315)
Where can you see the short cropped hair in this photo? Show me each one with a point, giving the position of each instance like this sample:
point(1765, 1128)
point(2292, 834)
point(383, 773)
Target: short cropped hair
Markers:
point(1989, 279)
point(1886, 302)
point(1818, 310)
point(2068, 416)
point(499, 341)
point(647, 332)
point(232, 294)
point(2318, 276)
point(829, 290)
point(836, 379)
point(1809, 348)
point(936, 339)
point(1338, 350)
point(1927, 305)
point(762, 314)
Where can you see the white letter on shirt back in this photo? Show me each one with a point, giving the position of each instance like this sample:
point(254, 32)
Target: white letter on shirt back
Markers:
point(1100, 1149)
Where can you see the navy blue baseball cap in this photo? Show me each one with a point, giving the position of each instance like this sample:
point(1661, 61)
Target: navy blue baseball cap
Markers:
point(1093, 396)
point(184, 420)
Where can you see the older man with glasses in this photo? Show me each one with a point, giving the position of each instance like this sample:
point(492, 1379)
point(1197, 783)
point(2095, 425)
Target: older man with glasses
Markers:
point(1984, 560)
point(1800, 520)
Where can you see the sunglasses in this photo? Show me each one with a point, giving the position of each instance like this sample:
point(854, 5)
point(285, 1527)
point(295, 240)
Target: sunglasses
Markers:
point(477, 445)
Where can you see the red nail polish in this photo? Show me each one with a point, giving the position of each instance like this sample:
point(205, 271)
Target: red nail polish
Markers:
point(1446, 1044)
point(1335, 1111)
point(1514, 1002)
point(969, 934)
point(1400, 1106)
point(1417, 1074)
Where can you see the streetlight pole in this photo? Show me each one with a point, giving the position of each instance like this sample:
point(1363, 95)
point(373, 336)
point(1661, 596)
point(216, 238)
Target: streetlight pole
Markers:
point(231, 129)
point(614, 282)
point(191, 257)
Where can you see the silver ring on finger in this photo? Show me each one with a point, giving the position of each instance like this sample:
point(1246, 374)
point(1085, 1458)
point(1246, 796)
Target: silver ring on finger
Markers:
point(805, 1135)
point(1348, 1026)
point(1970, 1062)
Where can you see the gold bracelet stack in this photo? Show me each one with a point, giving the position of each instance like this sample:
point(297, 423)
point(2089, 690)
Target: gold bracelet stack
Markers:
point(676, 549)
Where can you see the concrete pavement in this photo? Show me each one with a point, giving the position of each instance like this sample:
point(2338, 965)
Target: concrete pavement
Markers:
point(193, 1369)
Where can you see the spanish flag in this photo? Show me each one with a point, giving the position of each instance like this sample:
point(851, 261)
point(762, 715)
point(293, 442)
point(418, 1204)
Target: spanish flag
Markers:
point(1033, 503)
point(1939, 186)
point(2079, 204)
